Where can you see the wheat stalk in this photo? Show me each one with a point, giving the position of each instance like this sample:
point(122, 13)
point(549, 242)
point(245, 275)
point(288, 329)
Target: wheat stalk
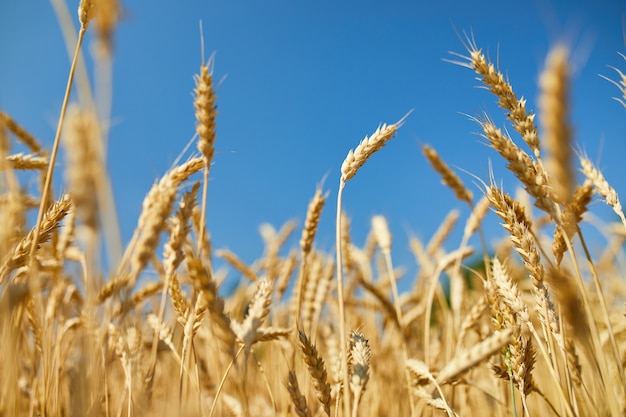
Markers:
point(351, 164)
point(523, 120)
point(602, 186)
point(317, 370)
point(448, 176)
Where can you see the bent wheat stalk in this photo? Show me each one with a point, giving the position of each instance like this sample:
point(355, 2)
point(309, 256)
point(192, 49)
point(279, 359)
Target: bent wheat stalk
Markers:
point(350, 166)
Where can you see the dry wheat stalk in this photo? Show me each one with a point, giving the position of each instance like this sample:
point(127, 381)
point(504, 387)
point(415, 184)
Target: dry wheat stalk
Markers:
point(523, 120)
point(517, 224)
point(422, 379)
point(299, 401)
point(312, 279)
point(180, 228)
point(553, 102)
point(13, 209)
point(286, 271)
point(206, 111)
point(359, 366)
point(237, 263)
point(368, 146)
point(258, 310)
point(477, 354)
point(472, 318)
point(157, 205)
point(321, 293)
point(520, 353)
point(83, 162)
point(346, 243)
point(202, 280)
point(479, 211)
point(351, 164)
point(433, 248)
point(570, 217)
point(602, 186)
point(109, 13)
point(20, 133)
point(313, 214)
point(85, 13)
point(448, 176)
point(274, 242)
point(173, 257)
point(178, 299)
point(51, 220)
point(527, 170)
point(21, 161)
point(508, 292)
point(317, 370)
point(382, 235)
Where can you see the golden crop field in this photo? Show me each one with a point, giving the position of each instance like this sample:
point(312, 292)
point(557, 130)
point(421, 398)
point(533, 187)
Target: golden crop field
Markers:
point(535, 327)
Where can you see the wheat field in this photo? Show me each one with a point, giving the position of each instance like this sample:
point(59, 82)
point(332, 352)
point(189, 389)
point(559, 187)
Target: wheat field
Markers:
point(534, 326)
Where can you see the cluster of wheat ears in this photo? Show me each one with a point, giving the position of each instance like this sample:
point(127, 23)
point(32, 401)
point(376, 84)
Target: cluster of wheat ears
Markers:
point(536, 327)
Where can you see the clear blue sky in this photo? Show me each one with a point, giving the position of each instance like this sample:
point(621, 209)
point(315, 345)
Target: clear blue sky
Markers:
point(303, 83)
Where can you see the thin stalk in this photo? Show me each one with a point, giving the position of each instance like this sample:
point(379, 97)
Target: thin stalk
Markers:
point(221, 385)
point(342, 314)
point(396, 301)
point(45, 194)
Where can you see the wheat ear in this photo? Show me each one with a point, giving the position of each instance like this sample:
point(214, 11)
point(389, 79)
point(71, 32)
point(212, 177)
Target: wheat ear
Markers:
point(448, 176)
point(602, 186)
point(206, 111)
point(299, 401)
point(475, 355)
point(83, 165)
point(51, 220)
point(20, 133)
point(359, 363)
point(24, 162)
point(522, 119)
point(554, 106)
point(526, 169)
point(313, 214)
point(317, 369)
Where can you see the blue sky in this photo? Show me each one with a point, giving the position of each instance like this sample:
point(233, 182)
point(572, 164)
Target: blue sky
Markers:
point(302, 83)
